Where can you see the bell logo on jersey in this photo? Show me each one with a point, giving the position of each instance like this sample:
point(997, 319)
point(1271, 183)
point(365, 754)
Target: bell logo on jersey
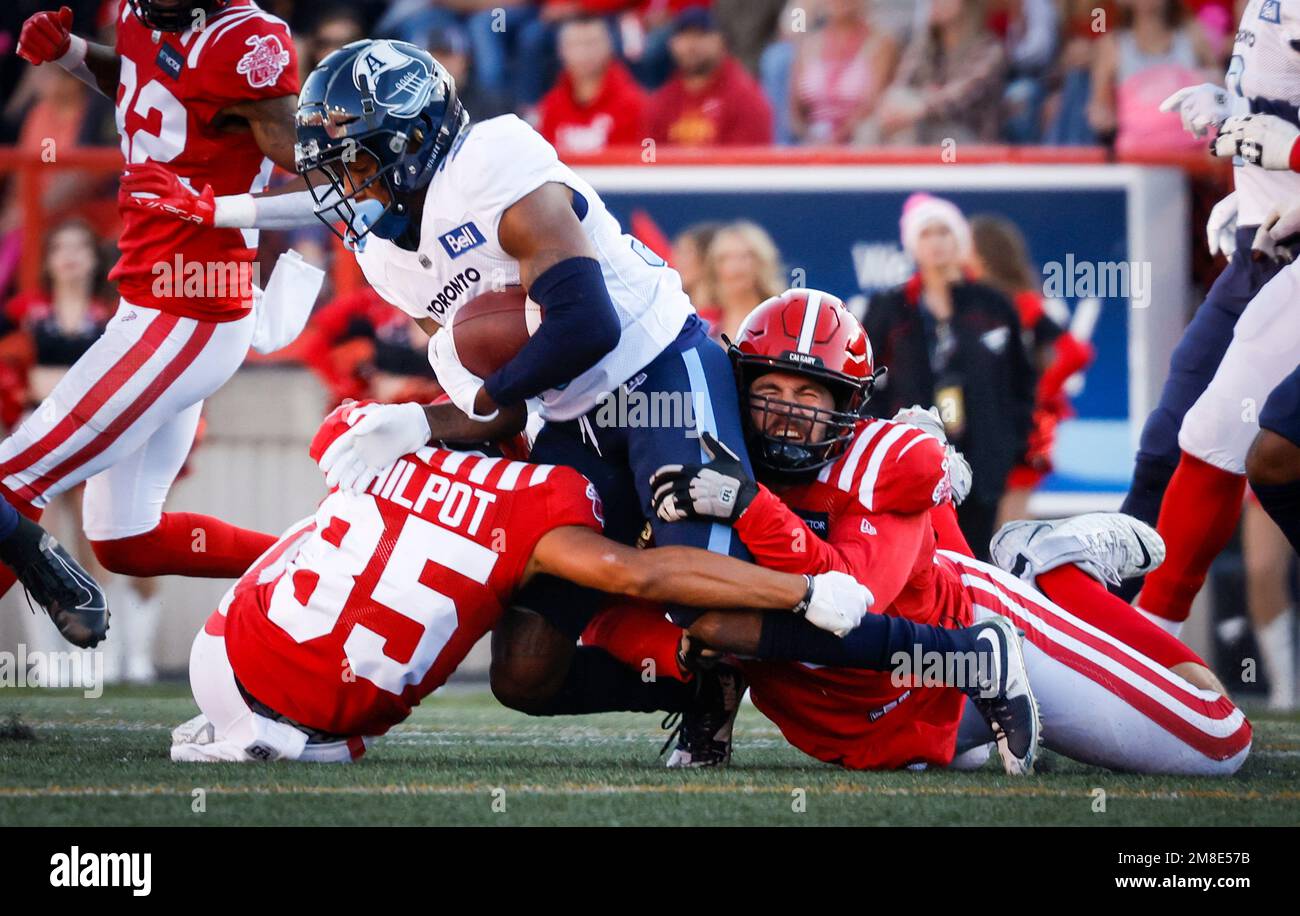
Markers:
point(461, 239)
point(400, 84)
point(265, 62)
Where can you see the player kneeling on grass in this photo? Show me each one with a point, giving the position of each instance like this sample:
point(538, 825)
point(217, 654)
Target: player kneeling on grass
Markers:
point(359, 612)
point(871, 498)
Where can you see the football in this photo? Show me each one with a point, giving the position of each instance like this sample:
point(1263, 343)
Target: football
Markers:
point(491, 328)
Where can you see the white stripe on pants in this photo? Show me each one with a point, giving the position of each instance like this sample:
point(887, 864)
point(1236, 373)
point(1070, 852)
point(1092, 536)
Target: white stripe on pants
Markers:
point(1096, 707)
point(123, 417)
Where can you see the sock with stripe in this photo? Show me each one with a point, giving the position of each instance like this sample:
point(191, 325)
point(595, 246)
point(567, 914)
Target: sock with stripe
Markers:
point(185, 544)
point(1143, 500)
point(1089, 600)
point(1197, 519)
point(637, 634)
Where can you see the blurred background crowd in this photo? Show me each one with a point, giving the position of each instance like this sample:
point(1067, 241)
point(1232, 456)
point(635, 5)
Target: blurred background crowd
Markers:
point(610, 78)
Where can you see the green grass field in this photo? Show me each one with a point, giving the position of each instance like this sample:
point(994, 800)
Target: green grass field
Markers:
point(104, 761)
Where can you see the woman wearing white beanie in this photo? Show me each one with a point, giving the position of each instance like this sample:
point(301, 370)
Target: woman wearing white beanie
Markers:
point(956, 344)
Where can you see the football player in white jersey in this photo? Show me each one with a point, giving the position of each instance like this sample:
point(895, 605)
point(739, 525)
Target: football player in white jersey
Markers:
point(1190, 464)
point(440, 209)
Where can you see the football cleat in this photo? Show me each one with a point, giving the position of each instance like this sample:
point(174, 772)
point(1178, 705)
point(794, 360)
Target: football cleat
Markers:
point(1109, 546)
point(1004, 698)
point(704, 732)
point(198, 730)
point(56, 582)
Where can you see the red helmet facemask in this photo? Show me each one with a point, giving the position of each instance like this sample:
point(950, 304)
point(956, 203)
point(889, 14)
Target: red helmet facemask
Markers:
point(808, 333)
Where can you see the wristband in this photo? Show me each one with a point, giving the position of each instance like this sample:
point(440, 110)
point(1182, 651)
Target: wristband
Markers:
point(801, 608)
point(75, 56)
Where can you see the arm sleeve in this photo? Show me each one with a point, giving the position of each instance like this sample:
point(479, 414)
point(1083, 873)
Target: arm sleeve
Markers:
point(579, 326)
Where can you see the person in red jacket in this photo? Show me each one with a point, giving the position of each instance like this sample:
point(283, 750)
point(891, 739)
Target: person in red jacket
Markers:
point(359, 347)
point(711, 100)
point(595, 103)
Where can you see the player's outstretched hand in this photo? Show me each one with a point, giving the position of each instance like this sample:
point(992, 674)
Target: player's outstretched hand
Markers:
point(1200, 107)
point(152, 187)
point(721, 489)
point(46, 36)
point(1259, 139)
point(838, 603)
point(380, 434)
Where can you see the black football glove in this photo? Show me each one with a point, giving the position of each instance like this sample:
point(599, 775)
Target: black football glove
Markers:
point(721, 489)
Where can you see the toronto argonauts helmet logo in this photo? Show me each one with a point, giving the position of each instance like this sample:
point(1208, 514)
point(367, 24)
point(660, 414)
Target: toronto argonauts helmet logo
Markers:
point(401, 84)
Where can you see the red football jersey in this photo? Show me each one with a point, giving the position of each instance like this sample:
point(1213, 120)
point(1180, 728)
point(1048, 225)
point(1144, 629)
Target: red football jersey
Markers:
point(360, 612)
point(173, 86)
point(867, 514)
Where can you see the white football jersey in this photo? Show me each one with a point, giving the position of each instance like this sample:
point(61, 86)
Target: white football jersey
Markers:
point(491, 166)
point(1264, 76)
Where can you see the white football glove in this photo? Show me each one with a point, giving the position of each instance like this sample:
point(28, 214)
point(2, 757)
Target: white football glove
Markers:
point(960, 476)
point(1259, 139)
point(838, 602)
point(1221, 227)
point(461, 385)
point(380, 434)
point(721, 489)
point(928, 419)
point(1200, 107)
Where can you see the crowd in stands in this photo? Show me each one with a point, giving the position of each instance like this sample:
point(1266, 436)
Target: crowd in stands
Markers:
point(592, 74)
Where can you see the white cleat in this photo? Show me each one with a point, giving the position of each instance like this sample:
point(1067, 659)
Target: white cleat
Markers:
point(1109, 546)
point(198, 730)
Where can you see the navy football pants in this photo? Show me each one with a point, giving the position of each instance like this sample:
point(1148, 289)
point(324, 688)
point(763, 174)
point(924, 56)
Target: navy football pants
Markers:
point(1193, 364)
point(653, 419)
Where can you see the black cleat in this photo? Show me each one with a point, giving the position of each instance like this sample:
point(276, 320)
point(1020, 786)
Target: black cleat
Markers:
point(1005, 699)
point(704, 732)
point(56, 582)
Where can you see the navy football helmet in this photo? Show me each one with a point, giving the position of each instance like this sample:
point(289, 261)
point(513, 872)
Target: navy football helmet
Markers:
point(388, 100)
point(176, 18)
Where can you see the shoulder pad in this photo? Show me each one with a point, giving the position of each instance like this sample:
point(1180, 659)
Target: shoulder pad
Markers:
point(893, 467)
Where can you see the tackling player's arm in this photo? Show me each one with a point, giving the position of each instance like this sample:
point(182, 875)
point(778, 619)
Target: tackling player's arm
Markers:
point(681, 575)
point(47, 38)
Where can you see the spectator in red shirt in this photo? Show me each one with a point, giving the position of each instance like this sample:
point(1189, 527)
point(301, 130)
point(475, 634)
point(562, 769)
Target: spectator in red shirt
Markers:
point(595, 103)
point(711, 100)
point(359, 346)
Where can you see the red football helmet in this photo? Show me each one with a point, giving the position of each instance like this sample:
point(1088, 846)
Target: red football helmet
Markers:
point(809, 333)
